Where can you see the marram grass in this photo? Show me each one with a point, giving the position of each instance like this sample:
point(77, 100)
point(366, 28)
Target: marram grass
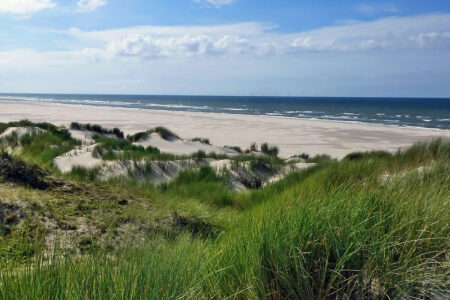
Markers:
point(376, 227)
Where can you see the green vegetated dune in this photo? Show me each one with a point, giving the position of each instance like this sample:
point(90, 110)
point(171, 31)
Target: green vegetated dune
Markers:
point(373, 225)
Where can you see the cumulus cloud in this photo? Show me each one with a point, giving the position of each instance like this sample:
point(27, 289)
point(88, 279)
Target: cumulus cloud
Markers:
point(24, 7)
point(247, 40)
point(150, 42)
point(215, 3)
point(182, 46)
point(90, 5)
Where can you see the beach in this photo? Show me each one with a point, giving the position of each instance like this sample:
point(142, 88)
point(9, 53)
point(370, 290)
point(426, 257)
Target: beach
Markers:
point(292, 136)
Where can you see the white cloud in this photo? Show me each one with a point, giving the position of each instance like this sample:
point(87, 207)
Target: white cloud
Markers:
point(24, 7)
point(90, 5)
point(365, 58)
point(215, 3)
point(385, 33)
point(152, 42)
point(138, 45)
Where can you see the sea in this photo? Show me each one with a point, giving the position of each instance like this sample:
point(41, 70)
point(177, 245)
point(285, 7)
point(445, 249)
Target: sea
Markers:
point(415, 112)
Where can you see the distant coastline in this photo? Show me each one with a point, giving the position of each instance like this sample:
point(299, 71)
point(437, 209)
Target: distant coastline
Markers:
point(411, 112)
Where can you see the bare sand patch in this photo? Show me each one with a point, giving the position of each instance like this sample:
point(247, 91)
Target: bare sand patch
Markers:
point(180, 146)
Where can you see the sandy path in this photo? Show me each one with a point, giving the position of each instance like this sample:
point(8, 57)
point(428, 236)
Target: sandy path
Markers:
point(293, 136)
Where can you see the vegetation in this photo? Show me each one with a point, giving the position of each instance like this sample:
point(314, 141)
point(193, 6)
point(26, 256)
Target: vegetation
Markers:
point(373, 225)
point(43, 146)
point(98, 129)
point(304, 156)
point(201, 140)
point(165, 133)
point(235, 148)
point(320, 158)
point(61, 132)
point(16, 171)
point(269, 150)
point(162, 131)
point(114, 149)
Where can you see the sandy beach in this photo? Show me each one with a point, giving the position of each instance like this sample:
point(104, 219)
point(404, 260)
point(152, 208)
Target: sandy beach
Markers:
point(292, 136)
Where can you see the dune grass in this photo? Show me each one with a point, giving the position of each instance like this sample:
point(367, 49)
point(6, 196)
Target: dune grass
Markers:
point(41, 147)
point(114, 149)
point(162, 131)
point(375, 226)
point(98, 129)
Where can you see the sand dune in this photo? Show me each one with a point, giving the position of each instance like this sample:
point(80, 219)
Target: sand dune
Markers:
point(20, 131)
point(179, 146)
point(81, 156)
point(293, 136)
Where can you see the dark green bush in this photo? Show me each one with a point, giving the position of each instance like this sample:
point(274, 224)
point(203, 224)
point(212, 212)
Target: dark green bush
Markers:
point(235, 148)
point(201, 140)
point(17, 171)
point(166, 133)
point(269, 150)
point(137, 137)
point(97, 129)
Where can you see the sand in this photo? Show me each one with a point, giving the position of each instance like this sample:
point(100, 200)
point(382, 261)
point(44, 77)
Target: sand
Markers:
point(180, 147)
point(20, 131)
point(80, 156)
point(293, 136)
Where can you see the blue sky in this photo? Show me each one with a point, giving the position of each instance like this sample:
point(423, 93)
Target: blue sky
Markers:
point(226, 47)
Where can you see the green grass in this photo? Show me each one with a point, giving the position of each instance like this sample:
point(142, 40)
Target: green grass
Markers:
point(41, 147)
point(372, 227)
point(204, 185)
point(44, 147)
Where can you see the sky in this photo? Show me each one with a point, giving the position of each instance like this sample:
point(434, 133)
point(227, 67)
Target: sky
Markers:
point(226, 47)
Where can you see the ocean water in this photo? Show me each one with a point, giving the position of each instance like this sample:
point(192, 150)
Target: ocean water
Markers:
point(417, 112)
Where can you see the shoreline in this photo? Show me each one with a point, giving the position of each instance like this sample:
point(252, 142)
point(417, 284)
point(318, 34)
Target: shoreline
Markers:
point(292, 135)
point(339, 117)
point(229, 113)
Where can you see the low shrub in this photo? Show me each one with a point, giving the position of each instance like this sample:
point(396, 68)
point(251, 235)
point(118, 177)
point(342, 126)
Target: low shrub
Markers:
point(235, 148)
point(201, 140)
point(162, 131)
point(269, 150)
point(137, 137)
point(166, 133)
point(17, 171)
point(97, 129)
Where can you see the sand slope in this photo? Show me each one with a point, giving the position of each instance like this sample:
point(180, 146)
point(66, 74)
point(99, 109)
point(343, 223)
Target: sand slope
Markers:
point(80, 156)
point(179, 146)
point(20, 131)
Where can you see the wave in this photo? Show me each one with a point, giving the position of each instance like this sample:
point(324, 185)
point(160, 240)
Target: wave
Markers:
point(176, 106)
point(293, 111)
point(407, 117)
point(66, 100)
point(234, 109)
